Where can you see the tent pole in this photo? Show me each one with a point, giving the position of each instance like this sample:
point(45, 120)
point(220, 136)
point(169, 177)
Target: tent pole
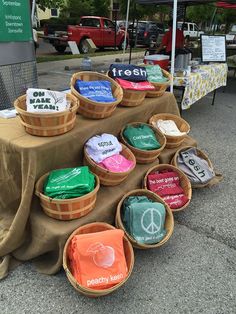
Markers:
point(126, 30)
point(172, 69)
point(33, 10)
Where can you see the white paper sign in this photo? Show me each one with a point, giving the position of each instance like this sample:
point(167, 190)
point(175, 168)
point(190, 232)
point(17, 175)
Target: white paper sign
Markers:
point(213, 48)
point(45, 101)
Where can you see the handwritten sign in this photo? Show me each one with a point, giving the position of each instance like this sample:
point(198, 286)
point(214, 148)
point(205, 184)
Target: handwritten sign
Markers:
point(213, 48)
point(45, 101)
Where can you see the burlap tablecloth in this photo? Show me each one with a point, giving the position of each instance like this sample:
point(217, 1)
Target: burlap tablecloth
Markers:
point(25, 231)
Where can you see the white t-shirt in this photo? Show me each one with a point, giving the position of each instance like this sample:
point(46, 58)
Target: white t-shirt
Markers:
point(102, 146)
point(169, 127)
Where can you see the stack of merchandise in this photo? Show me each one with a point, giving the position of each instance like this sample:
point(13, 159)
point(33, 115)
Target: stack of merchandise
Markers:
point(130, 77)
point(97, 260)
point(166, 184)
point(144, 219)
point(99, 91)
point(169, 127)
point(105, 151)
point(69, 183)
point(195, 167)
point(141, 137)
point(155, 74)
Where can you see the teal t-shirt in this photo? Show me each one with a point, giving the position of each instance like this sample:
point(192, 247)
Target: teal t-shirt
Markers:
point(144, 220)
point(154, 74)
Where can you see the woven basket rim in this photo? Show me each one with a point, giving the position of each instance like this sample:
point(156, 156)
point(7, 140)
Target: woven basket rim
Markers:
point(97, 292)
point(40, 194)
point(142, 150)
point(106, 170)
point(76, 75)
point(179, 171)
point(159, 199)
point(74, 107)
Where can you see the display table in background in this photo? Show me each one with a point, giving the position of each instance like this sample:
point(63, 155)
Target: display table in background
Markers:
point(25, 231)
point(197, 85)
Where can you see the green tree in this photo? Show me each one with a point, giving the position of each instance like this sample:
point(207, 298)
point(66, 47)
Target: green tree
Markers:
point(200, 14)
point(43, 4)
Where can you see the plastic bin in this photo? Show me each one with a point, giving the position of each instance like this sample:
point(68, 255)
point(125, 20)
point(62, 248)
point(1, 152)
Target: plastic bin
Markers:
point(161, 60)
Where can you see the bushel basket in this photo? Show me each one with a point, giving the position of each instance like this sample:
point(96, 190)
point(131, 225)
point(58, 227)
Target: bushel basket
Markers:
point(92, 109)
point(183, 126)
point(169, 221)
point(66, 209)
point(91, 228)
point(145, 156)
point(161, 87)
point(184, 181)
point(132, 98)
point(47, 124)
point(107, 177)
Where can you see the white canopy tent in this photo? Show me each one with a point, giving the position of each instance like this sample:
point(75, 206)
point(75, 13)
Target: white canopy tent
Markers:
point(168, 2)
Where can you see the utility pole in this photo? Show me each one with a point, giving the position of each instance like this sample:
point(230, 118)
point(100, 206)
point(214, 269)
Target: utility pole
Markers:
point(111, 7)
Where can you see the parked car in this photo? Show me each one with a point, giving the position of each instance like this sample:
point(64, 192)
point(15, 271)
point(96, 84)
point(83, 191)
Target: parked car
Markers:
point(100, 29)
point(190, 30)
point(146, 32)
point(231, 36)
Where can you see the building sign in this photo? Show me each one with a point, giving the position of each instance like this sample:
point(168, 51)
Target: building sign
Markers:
point(15, 22)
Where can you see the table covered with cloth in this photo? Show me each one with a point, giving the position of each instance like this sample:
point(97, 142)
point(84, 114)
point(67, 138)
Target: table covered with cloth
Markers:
point(27, 233)
point(197, 85)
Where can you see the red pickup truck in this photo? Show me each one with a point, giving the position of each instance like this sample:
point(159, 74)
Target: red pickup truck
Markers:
point(101, 30)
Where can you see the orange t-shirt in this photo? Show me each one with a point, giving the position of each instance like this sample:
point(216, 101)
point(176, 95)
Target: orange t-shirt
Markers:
point(97, 260)
point(167, 39)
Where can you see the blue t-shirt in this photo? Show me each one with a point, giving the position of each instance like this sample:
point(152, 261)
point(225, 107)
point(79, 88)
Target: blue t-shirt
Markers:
point(99, 91)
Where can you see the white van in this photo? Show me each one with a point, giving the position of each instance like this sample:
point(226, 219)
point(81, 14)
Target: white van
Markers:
point(190, 30)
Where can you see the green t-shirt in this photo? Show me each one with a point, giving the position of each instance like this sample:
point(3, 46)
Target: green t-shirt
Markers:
point(69, 183)
point(141, 137)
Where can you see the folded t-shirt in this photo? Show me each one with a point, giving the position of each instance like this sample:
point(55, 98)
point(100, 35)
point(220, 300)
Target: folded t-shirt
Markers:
point(142, 86)
point(99, 91)
point(195, 167)
point(102, 146)
point(117, 163)
point(129, 72)
point(141, 137)
point(169, 127)
point(154, 74)
point(97, 260)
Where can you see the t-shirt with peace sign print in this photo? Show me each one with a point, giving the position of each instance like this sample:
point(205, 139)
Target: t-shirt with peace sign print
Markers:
point(146, 221)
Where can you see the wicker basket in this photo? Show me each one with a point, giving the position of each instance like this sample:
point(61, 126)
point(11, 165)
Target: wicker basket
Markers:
point(184, 181)
point(218, 177)
point(92, 109)
point(183, 126)
point(47, 124)
point(107, 177)
point(145, 156)
point(160, 88)
point(133, 98)
point(91, 228)
point(66, 209)
point(169, 222)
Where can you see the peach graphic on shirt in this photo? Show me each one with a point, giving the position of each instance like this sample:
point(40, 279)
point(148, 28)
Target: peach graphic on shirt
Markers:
point(103, 255)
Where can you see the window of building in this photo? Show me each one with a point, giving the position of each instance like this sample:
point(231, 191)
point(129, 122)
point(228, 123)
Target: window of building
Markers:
point(54, 12)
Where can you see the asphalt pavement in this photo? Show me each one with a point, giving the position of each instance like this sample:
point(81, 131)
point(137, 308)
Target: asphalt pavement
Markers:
point(195, 272)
